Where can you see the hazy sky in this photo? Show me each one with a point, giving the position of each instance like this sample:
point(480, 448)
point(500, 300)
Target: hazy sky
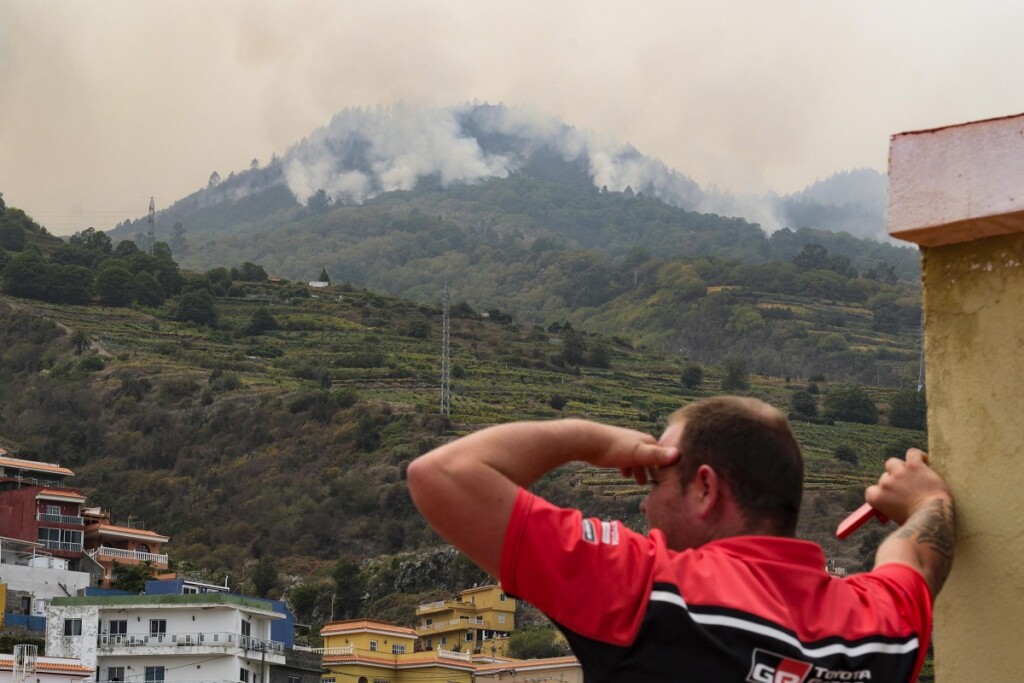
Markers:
point(103, 104)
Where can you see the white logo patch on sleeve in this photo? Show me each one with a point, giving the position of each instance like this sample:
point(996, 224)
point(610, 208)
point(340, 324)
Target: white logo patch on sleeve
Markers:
point(609, 532)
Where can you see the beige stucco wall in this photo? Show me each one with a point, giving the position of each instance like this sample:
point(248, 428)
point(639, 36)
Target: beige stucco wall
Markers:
point(974, 350)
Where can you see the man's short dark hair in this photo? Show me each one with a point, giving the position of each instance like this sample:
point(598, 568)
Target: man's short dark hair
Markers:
point(749, 444)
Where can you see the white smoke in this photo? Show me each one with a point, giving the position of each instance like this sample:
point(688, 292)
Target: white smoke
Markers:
point(364, 152)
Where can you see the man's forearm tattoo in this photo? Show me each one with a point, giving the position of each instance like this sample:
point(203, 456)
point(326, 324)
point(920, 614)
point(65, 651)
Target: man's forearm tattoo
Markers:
point(933, 527)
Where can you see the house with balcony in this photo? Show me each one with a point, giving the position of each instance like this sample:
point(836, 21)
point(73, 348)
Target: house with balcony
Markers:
point(176, 638)
point(37, 505)
point(369, 651)
point(477, 620)
point(110, 545)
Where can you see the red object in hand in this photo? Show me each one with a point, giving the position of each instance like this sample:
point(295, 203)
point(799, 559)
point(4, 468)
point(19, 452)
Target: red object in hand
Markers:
point(857, 519)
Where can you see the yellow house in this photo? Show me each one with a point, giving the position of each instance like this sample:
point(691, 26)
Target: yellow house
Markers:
point(477, 620)
point(369, 651)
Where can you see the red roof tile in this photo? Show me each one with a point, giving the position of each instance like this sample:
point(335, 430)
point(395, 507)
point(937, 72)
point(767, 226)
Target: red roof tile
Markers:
point(35, 465)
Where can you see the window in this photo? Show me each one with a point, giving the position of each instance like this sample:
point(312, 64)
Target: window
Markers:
point(154, 673)
point(72, 627)
point(246, 628)
point(295, 679)
point(398, 649)
point(186, 590)
point(428, 621)
point(158, 629)
point(328, 680)
point(243, 675)
point(501, 618)
point(444, 640)
point(60, 539)
point(117, 627)
point(373, 646)
point(53, 509)
point(469, 636)
point(142, 548)
point(501, 598)
point(115, 673)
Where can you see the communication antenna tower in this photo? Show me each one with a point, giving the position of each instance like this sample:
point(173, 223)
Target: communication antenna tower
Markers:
point(24, 663)
point(152, 225)
point(446, 358)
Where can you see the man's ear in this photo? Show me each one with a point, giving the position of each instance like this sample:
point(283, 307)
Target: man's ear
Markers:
point(708, 490)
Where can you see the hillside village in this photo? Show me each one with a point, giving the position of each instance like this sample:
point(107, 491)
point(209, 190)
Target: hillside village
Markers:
point(59, 560)
point(303, 404)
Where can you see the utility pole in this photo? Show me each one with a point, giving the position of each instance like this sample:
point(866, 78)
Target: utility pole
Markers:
point(446, 359)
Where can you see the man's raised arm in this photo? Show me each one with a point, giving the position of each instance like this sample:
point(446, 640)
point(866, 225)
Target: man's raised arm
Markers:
point(467, 488)
point(916, 497)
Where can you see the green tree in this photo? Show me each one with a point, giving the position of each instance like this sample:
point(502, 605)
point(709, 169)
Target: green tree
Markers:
point(80, 340)
point(908, 409)
point(849, 402)
point(126, 249)
point(693, 376)
point(574, 347)
point(249, 272)
point(92, 239)
point(349, 587)
point(599, 355)
point(68, 284)
point(535, 643)
point(264, 577)
point(148, 291)
point(261, 321)
point(736, 378)
point(324, 277)
point(12, 236)
point(25, 275)
point(132, 578)
point(196, 306)
point(114, 286)
point(846, 454)
point(162, 251)
point(804, 404)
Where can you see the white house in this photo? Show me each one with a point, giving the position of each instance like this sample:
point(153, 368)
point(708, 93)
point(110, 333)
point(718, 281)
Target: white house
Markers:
point(33, 577)
point(174, 638)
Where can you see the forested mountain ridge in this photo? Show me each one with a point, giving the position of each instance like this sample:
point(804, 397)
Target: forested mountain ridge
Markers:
point(403, 200)
point(621, 264)
point(265, 425)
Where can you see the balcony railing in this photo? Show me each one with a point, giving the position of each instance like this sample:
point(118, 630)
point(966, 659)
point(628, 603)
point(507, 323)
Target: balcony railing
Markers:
point(220, 639)
point(474, 622)
point(351, 650)
point(60, 545)
point(449, 654)
point(118, 553)
point(59, 519)
point(32, 481)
